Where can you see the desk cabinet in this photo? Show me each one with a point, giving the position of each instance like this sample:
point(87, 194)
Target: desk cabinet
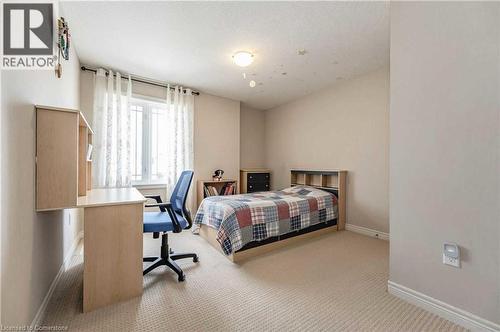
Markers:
point(112, 250)
point(62, 170)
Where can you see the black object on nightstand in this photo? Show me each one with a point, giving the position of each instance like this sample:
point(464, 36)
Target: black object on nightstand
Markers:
point(254, 180)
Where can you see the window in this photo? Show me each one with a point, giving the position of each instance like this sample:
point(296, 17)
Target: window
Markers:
point(149, 160)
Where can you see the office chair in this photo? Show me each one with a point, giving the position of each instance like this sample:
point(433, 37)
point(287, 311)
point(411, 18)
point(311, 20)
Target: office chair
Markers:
point(172, 217)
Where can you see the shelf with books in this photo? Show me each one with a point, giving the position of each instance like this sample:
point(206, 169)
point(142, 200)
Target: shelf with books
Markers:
point(207, 188)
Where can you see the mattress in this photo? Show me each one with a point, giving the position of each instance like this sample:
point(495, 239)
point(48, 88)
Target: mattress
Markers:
point(242, 219)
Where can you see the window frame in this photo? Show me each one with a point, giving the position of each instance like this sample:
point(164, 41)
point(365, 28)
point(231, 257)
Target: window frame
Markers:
point(147, 103)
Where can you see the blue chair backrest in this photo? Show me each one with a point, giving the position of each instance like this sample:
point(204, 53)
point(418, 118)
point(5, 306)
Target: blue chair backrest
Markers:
point(180, 193)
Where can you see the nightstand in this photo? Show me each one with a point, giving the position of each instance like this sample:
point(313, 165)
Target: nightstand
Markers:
point(255, 179)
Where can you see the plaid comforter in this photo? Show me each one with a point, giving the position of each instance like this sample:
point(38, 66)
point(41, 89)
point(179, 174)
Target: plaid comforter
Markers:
point(240, 219)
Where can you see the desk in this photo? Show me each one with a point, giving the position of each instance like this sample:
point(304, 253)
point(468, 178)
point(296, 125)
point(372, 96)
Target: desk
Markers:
point(112, 243)
point(112, 217)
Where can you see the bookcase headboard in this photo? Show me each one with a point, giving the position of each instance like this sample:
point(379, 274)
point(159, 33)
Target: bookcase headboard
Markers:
point(333, 181)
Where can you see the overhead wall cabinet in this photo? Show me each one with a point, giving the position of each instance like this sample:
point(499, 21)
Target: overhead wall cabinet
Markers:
point(63, 171)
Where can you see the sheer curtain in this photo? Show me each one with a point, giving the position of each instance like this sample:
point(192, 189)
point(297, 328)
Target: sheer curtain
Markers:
point(111, 145)
point(178, 145)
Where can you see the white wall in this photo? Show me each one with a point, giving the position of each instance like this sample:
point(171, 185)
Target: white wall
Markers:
point(444, 151)
point(252, 137)
point(1, 201)
point(216, 137)
point(216, 129)
point(498, 177)
point(33, 244)
point(343, 127)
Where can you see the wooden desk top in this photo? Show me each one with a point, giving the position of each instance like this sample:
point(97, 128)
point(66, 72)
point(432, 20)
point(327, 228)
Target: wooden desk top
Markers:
point(110, 196)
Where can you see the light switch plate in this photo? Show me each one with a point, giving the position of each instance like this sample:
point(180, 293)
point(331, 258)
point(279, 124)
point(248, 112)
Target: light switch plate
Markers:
point(451, 261)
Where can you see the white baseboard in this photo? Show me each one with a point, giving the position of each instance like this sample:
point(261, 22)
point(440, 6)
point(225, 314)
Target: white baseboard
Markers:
point(37, 321)
point(367, 231)
point(442, 309)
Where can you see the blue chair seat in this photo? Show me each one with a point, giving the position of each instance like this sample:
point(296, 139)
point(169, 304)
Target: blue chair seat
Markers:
point(161, 222)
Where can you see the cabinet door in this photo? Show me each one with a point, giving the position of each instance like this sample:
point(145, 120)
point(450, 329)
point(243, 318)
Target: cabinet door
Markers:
point(258, 178)
point(258, 186)
point(56, 159)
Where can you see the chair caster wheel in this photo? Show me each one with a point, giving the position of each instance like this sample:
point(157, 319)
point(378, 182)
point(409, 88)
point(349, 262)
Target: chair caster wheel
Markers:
point(196, 259)
point(181, 278)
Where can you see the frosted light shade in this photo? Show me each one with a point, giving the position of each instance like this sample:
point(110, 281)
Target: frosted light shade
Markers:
point(243, 59)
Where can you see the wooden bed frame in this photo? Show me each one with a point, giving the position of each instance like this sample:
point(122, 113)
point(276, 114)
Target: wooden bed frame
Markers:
point(333, 181)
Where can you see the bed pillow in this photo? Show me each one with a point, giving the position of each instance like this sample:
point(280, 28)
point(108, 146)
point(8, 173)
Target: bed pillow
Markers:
point(301, 189)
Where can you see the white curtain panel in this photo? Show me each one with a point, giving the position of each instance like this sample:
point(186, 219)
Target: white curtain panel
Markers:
point(111, 144)
point(178, 145)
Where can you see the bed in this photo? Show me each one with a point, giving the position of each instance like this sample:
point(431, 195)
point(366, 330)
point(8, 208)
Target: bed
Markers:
point(242, 226)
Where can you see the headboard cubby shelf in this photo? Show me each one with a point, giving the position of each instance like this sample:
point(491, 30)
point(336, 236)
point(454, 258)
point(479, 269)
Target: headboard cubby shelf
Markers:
point(333, 181)
point(326, 179)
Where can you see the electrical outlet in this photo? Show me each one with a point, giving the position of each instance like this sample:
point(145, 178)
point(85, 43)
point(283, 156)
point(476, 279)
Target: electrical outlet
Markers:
point(451, 261)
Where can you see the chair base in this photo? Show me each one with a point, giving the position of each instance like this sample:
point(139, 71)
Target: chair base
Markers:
point(168, 258)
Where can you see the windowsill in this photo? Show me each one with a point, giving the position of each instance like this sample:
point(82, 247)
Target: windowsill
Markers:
point(149, 185)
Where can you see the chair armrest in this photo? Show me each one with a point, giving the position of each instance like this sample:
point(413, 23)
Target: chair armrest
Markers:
point(160, 205)
point(167, 207)
point(157, 198)
point(159, 202)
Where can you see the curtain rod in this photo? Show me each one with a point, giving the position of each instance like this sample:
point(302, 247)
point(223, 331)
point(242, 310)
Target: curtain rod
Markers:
point(140, 80)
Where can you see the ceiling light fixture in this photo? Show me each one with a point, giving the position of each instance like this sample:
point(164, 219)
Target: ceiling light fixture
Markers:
point(252, 84)
point(243, 58)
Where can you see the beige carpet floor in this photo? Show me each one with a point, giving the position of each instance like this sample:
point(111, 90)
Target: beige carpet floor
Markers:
point(336, 282)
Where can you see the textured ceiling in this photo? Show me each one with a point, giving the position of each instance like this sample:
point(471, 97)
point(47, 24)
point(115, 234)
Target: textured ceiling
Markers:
point(191, 43)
